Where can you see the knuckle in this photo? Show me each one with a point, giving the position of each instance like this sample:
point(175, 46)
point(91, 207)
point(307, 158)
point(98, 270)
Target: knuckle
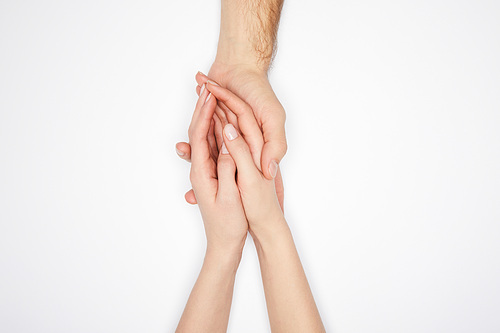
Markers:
point(246, 110)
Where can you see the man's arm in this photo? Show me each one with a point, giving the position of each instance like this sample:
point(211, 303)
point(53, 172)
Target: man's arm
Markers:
point(247, 44)
point(248, 32)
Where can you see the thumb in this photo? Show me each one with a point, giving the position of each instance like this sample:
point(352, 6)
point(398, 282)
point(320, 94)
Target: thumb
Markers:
point(240, 152)
point(273, 151)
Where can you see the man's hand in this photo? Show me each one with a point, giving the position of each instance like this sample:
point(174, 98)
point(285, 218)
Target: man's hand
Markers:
point(247, 44)
point(253, 87)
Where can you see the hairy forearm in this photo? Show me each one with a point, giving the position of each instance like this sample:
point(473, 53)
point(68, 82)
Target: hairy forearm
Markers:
point(290, 303)
point(248, 31)
point(209, 304)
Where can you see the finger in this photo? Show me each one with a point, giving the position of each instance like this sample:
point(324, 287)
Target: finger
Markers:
point(221, 114)
point(222, 110)
point(246, 119)
point(203, 170)
point(274, 148)
point(233, 119)
point(240, 152)
point(198, 89)
point(200, 126)
point(201, 78)
point(183, 149)
point(190, 197)
point(218, 131)
point(212, 142)
point(226, 174)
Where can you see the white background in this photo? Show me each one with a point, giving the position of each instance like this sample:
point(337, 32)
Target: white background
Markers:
point(392, 175)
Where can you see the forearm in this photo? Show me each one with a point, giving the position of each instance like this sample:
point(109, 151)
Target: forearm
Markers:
point(290, 303)
point(209, 304)
point(248, 32)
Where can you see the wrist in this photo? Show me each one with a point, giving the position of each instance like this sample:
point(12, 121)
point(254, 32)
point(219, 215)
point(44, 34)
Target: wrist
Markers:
point(235, 49)
point(234, 55)
point(224, 257)
point(270, 232)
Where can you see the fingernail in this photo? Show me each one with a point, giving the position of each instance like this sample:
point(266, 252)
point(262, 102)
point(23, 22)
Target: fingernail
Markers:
point(202, 89)
point(180, 153)
point(208, 97)
point(201, 73)
point(224, 149)
point(273, 168)
point(230, 132)
point(214, 83)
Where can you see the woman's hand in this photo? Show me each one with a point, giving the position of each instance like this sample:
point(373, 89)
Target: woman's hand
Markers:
point(290, 303)
point(213, 180)
point(245, 146)
point(253, 87)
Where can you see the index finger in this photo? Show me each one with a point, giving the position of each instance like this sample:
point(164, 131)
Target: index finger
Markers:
point(246, 120)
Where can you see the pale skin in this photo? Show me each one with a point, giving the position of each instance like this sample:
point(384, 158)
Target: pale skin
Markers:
point(225, 224)
point(234, 197)
point(246, 47)
point(238, 185)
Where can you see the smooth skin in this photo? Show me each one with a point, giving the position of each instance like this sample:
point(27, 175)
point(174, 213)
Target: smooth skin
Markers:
point(290, 303)
point(247, 40)
point(214, 185)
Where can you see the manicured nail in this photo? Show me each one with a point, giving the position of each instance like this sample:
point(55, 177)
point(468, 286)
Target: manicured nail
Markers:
point(180, 153)
point(214, 83)
point(273, 168)
point(208, 97)
point(201, 73)
point(224, 149)
point(230, 132)
point(202, 89)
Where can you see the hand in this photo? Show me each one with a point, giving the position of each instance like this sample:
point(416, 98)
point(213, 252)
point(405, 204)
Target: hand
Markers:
point(251, 85)
point(258, 194)
point(214, 184)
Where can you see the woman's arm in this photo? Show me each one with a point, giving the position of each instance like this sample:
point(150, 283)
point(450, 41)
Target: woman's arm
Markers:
point(213, 179)
point(290, 303)
point(208, 307)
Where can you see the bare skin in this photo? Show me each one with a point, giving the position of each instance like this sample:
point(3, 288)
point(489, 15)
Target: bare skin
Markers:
point(213, 181)
point(247, 44)
point(246, 200)
point(237, 139)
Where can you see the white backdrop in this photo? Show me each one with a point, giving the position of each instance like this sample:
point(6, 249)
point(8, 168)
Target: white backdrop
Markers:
point(392, 174)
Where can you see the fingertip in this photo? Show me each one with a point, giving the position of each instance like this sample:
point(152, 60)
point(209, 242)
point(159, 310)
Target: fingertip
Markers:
point(269, 169)
point(200, 78)
point(211, 83)
point(183, 150)
point(190, 197)
point(230, 132)
point(271, 157)
point(179, 149)
point(273, 168)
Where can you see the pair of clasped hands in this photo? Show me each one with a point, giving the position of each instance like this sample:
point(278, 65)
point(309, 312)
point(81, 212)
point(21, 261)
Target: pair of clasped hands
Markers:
point(238, 188)
point(229, 186)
